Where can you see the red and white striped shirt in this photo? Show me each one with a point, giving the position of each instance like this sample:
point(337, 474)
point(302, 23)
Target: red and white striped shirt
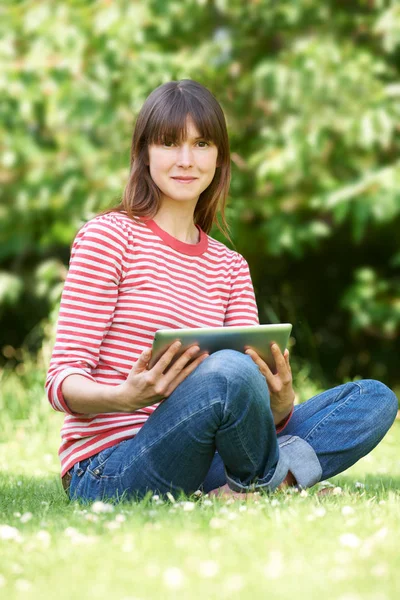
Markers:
point(127, 278)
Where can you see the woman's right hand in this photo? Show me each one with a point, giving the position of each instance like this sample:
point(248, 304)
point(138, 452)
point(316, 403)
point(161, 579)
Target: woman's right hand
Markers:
point(144, 386)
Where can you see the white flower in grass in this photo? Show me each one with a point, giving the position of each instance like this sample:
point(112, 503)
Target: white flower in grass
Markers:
point(173, 578)
point(9, 533)
point(78, 538)
point(232, 516)
point(102, 507)
point(347, 510)
point(217, 523)
point(152, 570)
point(320, 511)
point(253, 511)
point(188, 506)
point(128, 545)
point(207, 503)
point(91, 518)
point(112, 525)
point(170, 498)
point(22, 585)
point(242, 508)
point(359, 485)
point(234, 584)
point(155, 497)
point(26, 517)
point(380, 570)
point(44, 538)
point(304, 494)
point(349, 540)
point(120, 518)
point(17, 514)
point(275, 566)
point(208, 569)
point(337, 491)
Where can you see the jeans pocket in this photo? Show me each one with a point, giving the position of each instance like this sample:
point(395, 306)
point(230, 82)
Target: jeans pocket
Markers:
point(99, 461)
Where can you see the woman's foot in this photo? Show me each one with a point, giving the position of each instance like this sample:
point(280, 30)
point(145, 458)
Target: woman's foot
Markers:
point(226, 492)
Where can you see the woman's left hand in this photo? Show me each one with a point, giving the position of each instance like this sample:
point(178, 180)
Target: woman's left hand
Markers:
point(279, 383)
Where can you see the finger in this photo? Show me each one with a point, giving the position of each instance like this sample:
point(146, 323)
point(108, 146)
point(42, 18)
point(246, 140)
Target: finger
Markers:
point(264, 368)
point(181, 363)
point(166, 358)
point(184, 373)
point(280, 361)
point(142, 361)
point(286, 356)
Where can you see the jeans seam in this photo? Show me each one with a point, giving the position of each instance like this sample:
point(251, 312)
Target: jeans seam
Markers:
point(253, 462)
point(155, 442)
point(337, 408)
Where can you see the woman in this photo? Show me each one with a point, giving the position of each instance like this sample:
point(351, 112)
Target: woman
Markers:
point(219, 423)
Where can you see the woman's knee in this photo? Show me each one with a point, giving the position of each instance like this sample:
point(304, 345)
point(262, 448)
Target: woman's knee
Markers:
point(383, 400)
point(236, 371)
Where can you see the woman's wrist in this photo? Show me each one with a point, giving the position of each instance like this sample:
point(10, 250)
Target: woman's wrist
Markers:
point(281, 411)
point(122, 399)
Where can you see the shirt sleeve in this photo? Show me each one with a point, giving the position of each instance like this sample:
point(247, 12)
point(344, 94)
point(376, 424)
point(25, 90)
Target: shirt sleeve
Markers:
point(242, 307)
point(88, 302)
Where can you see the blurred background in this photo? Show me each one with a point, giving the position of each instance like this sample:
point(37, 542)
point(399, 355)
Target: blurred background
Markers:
point(311, 92)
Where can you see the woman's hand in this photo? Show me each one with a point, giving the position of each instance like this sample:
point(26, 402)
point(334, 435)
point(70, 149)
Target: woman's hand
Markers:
point(279, 383)
point(144, 387)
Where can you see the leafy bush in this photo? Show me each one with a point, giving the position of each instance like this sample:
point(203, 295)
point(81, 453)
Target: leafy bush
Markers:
point(312, 101)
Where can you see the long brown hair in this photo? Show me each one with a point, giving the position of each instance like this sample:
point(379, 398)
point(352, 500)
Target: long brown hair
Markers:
point(164, 116)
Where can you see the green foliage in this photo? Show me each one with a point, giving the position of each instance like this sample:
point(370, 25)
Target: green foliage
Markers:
point(312, 100)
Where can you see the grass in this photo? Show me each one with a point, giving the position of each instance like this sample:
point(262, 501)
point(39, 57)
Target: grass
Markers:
point(343, 546)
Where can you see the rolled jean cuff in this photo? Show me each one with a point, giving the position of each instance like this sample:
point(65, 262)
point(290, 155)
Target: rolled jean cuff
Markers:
point(302, 460)
point(296, 456)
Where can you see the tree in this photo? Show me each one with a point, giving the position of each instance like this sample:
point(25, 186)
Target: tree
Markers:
point(312, 101)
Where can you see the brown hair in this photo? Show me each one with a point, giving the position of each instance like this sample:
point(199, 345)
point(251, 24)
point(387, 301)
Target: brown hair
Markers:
point(164, 116)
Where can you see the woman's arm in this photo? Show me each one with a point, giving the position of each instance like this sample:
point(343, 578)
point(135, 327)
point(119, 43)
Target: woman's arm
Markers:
point(142, 387)
point(242, 310)
point(279, 383)
point(99, 254)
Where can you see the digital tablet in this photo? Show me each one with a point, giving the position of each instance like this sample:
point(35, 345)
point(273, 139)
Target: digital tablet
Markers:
point(212, 339)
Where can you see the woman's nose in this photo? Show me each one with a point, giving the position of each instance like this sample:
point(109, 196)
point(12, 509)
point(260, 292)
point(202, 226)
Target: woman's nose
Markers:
point(185, 156)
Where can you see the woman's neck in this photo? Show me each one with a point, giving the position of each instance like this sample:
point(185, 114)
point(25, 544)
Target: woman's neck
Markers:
point(181, 226)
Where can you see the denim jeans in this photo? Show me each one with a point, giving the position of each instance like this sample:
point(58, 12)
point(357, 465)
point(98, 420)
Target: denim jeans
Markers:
point(217, 427)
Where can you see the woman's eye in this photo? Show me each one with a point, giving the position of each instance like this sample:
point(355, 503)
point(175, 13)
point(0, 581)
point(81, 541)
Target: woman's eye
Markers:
point(203, 144)
point(168, 143)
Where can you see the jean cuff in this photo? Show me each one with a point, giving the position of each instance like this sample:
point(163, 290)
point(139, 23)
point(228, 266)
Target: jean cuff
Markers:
point(302, 460)
point(296, 456)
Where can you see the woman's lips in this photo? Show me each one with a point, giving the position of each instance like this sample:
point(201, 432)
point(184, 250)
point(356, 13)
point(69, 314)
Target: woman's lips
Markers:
point(184, 179)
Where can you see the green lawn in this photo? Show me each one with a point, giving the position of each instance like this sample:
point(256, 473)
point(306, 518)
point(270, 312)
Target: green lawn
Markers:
point(345, 546)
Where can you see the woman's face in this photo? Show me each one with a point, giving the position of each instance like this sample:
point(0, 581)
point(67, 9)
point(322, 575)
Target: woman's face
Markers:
point(183, 170)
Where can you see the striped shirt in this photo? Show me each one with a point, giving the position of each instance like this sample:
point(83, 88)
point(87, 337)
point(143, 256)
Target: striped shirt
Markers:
point(126, 279)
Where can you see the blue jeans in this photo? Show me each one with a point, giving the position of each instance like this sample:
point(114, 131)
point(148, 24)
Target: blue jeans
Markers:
point(217, 427)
